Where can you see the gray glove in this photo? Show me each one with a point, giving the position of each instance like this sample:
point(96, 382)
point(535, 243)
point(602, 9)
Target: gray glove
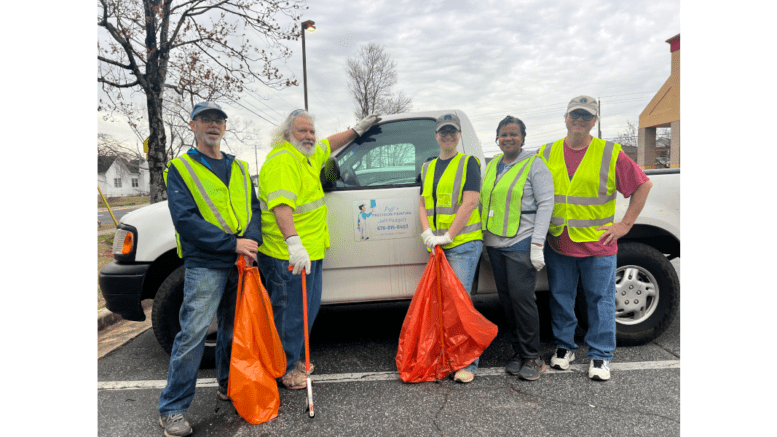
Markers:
point(537, 257)
point(298, 255)
point(365, 124)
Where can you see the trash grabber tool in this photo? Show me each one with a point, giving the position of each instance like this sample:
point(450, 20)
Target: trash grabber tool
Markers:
point(309, 398)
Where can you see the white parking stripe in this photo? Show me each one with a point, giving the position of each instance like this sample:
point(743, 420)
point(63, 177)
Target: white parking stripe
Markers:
point(390, 376)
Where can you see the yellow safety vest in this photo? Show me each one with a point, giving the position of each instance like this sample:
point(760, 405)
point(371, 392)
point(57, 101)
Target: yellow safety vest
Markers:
point(228, 207)
point(588, 200)
point(449, 197)
point(501, 199)
point(288, 177)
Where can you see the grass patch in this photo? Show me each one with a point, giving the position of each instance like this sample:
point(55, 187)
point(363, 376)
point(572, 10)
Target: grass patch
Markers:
point(123, 201)
point(104, 256)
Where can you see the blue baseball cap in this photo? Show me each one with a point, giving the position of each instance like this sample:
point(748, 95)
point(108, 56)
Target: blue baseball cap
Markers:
point(204, 106)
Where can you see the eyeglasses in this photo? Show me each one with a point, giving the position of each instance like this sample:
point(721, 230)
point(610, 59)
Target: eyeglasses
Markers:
point(448, 132)
point(207, 121)
point(576, 115)
point(297, 112)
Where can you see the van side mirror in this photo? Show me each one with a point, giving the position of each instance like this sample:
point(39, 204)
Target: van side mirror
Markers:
point(330, 173)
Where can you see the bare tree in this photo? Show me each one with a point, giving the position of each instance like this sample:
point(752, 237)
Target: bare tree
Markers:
point(109, 146)
point(630, 141)
point(371, 75)
point(199, 49)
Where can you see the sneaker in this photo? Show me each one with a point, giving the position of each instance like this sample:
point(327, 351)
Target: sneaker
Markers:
point(221, 394)
point(599, 370)
point(175, 425)
point(531, 369)
point(562, 359)
point(300, 366)
point(463, 376)
point(294, 380)
point(514, 366)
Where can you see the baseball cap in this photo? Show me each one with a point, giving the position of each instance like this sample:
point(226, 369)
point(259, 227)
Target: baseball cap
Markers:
point(204, 106)
point(448, 120)
point(586, 103)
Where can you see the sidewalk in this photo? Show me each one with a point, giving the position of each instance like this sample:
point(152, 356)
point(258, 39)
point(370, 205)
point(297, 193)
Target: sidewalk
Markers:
point(113, 331)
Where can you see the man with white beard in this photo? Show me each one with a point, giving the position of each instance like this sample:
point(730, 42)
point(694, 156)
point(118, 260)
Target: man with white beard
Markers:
point(294, 228)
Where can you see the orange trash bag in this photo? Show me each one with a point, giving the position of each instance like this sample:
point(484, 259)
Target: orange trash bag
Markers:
point(437, 339)
point(257, 353)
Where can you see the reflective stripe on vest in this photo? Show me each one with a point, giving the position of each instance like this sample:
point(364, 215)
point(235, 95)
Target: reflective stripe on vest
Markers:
point(497, 196)
point(449, 198)
point(588, 200)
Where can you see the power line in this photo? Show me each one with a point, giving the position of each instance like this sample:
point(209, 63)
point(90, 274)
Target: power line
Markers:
point(554, 106)
point(251, 111)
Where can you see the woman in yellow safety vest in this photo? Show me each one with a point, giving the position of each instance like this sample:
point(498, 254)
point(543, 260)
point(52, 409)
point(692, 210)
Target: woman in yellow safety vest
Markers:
point(450, 185)
point(517, 201)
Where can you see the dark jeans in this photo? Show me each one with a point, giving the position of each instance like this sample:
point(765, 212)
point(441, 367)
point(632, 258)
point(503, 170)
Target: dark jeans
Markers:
point(515, 278)
point(285, 291)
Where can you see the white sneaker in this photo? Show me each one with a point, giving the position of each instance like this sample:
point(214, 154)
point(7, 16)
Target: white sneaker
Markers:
point(599, 370)
point(562, 359)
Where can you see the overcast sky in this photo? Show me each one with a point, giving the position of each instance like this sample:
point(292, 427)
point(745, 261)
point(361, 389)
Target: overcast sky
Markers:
point(486, 58)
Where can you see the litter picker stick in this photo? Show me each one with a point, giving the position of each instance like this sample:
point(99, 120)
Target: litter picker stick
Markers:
point(309, 398)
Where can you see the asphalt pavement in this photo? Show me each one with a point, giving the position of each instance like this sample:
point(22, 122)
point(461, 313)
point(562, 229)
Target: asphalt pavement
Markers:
point(357, 391)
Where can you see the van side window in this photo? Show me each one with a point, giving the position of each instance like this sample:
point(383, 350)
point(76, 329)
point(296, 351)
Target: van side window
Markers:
point(390, 154)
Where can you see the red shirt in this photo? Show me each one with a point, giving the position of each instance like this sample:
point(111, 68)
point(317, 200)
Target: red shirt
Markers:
point(628, 177)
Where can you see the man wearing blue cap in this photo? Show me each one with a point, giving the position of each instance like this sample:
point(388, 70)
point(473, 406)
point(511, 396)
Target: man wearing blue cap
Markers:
point(217, 218)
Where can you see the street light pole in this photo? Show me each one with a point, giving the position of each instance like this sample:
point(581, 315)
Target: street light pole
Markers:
point(309, 24)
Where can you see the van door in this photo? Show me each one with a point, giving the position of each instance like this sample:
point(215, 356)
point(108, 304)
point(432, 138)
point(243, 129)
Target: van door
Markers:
point(376, 251)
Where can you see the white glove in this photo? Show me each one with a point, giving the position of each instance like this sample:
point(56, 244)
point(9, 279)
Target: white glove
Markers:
point(441, 240)
point(365, 124)
point(298, 255)
point(537, 257)
point(427, 235)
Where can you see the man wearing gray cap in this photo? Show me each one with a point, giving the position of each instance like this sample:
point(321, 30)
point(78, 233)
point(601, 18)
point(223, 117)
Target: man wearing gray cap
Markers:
point(217, 218)
point(587, 172)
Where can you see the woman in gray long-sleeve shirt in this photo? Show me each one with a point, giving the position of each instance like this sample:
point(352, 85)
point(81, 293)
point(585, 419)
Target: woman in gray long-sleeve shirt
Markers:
point(517, 199)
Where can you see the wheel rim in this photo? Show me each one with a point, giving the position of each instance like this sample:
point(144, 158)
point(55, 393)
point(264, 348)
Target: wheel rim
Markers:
point(636, 295)
point(210, 339)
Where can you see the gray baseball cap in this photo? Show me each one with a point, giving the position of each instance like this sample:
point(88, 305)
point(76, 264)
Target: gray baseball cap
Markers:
point(586, 103)
point(448, 120)
point(204, 106)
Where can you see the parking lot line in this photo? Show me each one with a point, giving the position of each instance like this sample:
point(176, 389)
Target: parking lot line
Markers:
point(391, 376)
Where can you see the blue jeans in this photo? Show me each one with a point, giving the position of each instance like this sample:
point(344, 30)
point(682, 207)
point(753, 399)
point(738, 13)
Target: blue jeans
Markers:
point(206, 293)
point(464, 261)
point(597, 275)
point(285, 290)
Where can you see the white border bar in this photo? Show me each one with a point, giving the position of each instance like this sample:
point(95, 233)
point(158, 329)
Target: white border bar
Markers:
point(391, 376)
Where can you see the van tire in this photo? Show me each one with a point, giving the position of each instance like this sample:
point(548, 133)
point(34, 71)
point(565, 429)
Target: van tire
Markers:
point(165, 316)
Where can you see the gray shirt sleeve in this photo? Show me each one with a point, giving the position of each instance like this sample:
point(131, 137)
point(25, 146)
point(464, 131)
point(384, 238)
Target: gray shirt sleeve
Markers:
point(542, 190)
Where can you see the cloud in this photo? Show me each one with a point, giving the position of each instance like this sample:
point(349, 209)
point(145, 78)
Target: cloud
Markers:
point(487, 58)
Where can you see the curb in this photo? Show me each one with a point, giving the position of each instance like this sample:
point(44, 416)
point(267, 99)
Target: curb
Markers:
point(106, 318)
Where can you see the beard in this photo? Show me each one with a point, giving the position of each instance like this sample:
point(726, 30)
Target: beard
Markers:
point(305, 147)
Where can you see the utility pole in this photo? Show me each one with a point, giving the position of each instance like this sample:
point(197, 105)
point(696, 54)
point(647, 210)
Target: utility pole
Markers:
point(256, 159)
point(599, 122)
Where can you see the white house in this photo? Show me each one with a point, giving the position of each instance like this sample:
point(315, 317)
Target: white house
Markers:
point(118, 177)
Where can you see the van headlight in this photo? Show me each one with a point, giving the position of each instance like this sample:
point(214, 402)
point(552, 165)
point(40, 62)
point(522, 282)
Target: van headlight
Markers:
point(125, 242)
